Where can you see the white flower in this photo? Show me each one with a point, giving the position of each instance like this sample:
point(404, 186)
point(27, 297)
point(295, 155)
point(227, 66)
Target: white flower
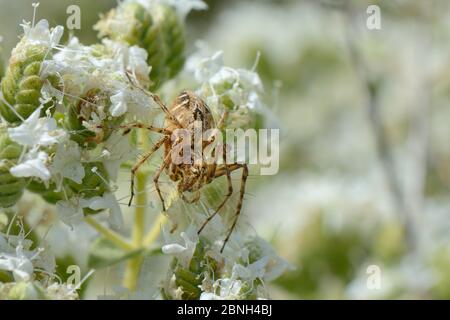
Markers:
point(36, 131)
point(205, 67)
point(67, 162)
point(224, 289)
point(104, 67)
point(269, 266)
point(61, 291)
point(41, 33)
point(117, 149)
point(119, 104)
point(183, 252)
point(70, 212)
point(18, 263)
point(137, 61)
point(216, 80)
point(107, 201)
point(34, 164)
point(16, 257)
point(183, 7)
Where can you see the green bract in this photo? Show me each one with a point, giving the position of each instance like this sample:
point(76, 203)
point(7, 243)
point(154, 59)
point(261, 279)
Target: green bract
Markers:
point(22, 84)
point(95, 181)
point(11, 188)
point(159, 31)
point(48, 193)
point(188, 279)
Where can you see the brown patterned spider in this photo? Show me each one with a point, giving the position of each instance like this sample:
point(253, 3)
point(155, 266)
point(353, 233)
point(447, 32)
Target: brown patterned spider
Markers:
point(191, 177)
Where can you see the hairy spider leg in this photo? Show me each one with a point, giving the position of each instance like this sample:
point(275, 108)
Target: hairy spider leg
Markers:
point(141, 161)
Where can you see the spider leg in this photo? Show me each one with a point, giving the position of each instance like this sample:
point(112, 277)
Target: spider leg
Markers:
point(221, 170)
point(227, 196)
point(127, 128)
point(239, 205)
point(156, 178)
point(155, 98)
point(140, 162)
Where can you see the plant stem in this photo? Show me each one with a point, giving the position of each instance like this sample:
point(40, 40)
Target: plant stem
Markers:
point(133, 267)
point(154, 232)
point(109, 234)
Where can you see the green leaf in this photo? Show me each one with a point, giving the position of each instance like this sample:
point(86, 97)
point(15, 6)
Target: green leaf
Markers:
point(103, 253)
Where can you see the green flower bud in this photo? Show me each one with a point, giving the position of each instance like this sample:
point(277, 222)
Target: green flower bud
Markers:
point(159, 31)
point(94, 104)
point(11, 188)
point(22, 84)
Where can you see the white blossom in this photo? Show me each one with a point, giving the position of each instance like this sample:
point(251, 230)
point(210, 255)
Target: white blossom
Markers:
point(183, 7)
point(183, 251)
point(104, 67)
point(36, 131)
point(107, 201)
point(216, 80)
point(42, 34)
point(16, 257)
point(70, 212)
point(119, 104)
point(18, 263)
point(67, 162)
point(224, 289)
point(34, 164)
point(116, 150)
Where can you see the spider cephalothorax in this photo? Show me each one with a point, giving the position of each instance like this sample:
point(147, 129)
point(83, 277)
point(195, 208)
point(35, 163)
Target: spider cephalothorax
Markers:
point(187, 113)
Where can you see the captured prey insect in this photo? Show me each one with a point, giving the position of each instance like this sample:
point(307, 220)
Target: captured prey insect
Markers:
point(185, 112)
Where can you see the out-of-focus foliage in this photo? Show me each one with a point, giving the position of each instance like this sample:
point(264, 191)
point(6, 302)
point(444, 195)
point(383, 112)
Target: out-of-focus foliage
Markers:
point(331, 180)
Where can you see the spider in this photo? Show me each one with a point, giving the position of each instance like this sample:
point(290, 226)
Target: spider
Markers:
point(190, 177)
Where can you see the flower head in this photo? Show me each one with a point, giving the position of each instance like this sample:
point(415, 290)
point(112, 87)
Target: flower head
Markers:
point(36, 131)
point(33, 164)
point(41, 34)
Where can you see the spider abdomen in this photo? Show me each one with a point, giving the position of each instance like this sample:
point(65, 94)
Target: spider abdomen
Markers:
point(189, 108)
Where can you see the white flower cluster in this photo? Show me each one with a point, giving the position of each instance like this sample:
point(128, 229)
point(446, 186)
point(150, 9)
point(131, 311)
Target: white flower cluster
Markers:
point(24, 263)
point(49, 155)
point(41, 34)
point(104, 67)
point(237, 91)
point(240, 272)
point(183, 7)
point(35, 134)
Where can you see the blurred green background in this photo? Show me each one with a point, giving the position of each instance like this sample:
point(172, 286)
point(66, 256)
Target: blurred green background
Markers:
point(364, 115)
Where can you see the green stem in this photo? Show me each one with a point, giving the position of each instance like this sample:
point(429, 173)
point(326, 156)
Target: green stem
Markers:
point(154, 232)
point(133, 267)
point(109, 234)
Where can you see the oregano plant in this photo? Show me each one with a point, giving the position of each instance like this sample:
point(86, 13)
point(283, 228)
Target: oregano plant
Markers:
point(76, 117)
